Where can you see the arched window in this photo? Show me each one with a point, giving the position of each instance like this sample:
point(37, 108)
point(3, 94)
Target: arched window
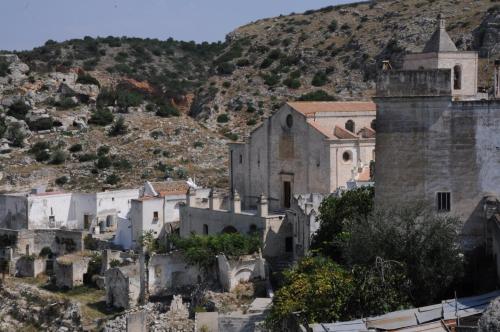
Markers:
point(229, 230)
point(349, 125)
point(347, 156)
point(205, 229)
point(457, 77)
point(373, 125)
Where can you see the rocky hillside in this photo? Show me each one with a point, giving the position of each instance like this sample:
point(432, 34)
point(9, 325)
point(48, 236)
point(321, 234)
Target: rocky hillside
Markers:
point(113, 112)
point(337, 50)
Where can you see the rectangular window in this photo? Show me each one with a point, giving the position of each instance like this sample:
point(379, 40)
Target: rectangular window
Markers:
point(287, 194)
point(444, 201)
point(155, 216)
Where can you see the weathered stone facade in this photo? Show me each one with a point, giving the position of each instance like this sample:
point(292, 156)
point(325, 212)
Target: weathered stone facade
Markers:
point(435, 148)
point(123, 286)
point(305, 147)
point(243, 269)
point(69, 270)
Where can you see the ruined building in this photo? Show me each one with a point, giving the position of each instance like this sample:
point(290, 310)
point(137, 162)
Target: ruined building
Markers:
point(437, 137)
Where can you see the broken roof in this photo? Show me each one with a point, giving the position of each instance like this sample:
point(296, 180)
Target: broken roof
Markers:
point(421, 319)
point(311, 107)
point(166, 188)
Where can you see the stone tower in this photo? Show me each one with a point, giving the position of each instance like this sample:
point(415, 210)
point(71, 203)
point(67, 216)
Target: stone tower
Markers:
point(437, 142)
point(440, 52)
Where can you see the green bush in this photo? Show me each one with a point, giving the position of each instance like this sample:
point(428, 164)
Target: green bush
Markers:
point(198, 144)
point(62, 180)
point(112, 179)
point(251, 122)
point(317, 95)
point(75, 148)
point(223, 118)
point(87, 79)
point(58, 157)
point(103, 162)
point(231, 136)
point(201, 250)
point(166, 110)
point(243, 62)
point(292, 83)
point(41, 124)
point(119, 127)
point(266, 63)
point(39, 146)
point(4, 67)
point(101, 117)
point(333, 26)
point(18, 110)
point(271, 79)
point(125, 98)
point(16, 135)
point(42, 155)
point(225, 68)
point(122, 163)
point(103, 150)
point(86, 157)
point(319, 79)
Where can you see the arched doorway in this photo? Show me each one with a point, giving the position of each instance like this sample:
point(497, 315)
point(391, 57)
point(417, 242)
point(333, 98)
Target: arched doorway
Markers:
point(229, 230)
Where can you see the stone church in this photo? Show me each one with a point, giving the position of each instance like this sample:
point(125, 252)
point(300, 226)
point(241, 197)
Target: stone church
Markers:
point(438, 138)
point(306, 147)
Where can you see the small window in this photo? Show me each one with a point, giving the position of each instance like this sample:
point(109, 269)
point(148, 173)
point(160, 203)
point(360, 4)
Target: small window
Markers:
point(444, 201)
point(373, 125)
point(349, 125)
point(289, 244)
point(289, 121)
point(205, 229)
point(347, 156)
point(457, 77)
point(241, 159)
point(155, 216)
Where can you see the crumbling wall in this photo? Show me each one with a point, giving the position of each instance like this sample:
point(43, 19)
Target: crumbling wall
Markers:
point(245, 268)
point(169, 271)
point(70, 275)
point(28, 266)
point(13, 212)
point(122, 287)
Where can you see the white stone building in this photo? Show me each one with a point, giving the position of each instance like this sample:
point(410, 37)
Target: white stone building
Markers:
point(306, 147)
point(40, 209)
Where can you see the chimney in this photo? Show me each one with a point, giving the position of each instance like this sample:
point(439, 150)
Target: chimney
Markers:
point(496, 93)
point(213, 200)
point(236, 202)
point(262, 206)
point(191, 197)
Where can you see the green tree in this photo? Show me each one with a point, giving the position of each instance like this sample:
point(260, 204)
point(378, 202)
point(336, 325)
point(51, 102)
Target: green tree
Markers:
point(101, 117)
point(426, 244)
point(334, 214)
point(317, 288)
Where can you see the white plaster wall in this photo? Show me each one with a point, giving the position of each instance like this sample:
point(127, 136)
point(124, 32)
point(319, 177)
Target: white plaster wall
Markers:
point(40, 208)
point(118, 201)
point(123, 236)
point(148, 222)
point(135, 217)
point(171, 207)
point(331, 119)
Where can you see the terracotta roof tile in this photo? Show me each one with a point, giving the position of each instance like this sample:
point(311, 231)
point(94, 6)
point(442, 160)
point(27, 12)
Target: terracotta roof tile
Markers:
point(366, 132)
point(170, 187)
point(309, 108)
point(364, 175)
point(344, 133)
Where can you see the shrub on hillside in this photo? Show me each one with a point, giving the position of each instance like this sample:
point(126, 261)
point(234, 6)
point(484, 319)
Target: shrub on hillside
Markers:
point(319, 79)
point(223, 118)
point(333, 25)
point(58, 157)
point(75, 148)
point(225, 68)
point(4, 68)
point(112, 179)
point(318, 95)
point(86, 157)
point(41, 124)
point(119, 127)
point(87, 79)
point(166, 110)
point(18, 110)
point(65, 103)
point(103, 150)
point(103, 162)
point(62, 180)
point(101, 117)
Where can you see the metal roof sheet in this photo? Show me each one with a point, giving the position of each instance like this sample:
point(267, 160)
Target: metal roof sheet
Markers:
point(429, 327)
point(351, 326)
point(467, 306)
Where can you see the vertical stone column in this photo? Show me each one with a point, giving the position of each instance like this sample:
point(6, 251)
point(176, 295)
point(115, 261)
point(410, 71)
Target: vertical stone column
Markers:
point(263, 207)
point(236, 202)
point(496, 92)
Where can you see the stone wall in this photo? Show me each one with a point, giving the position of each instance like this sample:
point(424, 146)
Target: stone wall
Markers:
point(123, 286)
point(28, 266)
point(427, 145)
point(413, 83)
point(70, 274)
point(243, 269)
point(170, 271)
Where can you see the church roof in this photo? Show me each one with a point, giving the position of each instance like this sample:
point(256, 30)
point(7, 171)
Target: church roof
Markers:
point(311, 107)
point(440, 41)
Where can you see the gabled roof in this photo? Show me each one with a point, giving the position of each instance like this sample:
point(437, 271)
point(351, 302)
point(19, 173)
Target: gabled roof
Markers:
point(440, 40)
point(312, 107)
point(343, 133)
point(166, 188)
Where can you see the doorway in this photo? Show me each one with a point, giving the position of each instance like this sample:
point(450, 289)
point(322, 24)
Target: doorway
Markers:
point(287, 193)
